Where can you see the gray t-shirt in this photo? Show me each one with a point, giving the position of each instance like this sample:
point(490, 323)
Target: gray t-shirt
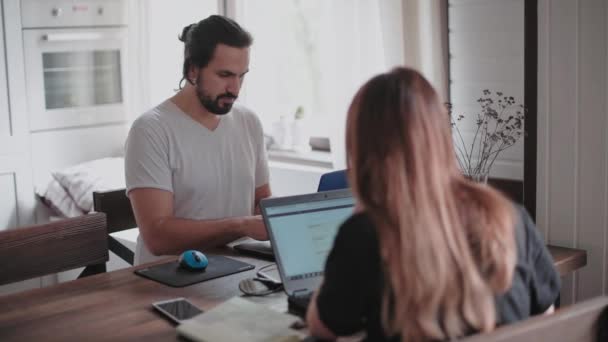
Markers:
point(212, 174)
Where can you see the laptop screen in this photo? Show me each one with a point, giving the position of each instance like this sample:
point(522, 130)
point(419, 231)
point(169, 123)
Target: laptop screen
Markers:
point(303, 231)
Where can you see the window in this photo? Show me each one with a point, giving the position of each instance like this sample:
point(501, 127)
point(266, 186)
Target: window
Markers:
point(312, 55)
point(307, 55)
point(285, 61)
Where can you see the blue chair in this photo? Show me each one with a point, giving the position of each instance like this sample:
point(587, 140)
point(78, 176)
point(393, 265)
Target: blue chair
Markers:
point(333, 181)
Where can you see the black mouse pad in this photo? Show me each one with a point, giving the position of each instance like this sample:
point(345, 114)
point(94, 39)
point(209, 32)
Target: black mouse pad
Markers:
point(171, 274)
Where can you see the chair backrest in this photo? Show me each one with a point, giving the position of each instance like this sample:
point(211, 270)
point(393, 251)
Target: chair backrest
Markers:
point(335, 180)
point(582, 322)
point(119, 214)
point(34, 251)
point(117, 207)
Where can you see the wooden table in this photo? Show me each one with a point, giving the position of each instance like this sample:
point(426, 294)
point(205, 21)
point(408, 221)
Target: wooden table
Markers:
point(111, 306)
point(567, 260)
point(117, 305)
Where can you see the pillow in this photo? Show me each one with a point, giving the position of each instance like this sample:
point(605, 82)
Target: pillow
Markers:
point(96, 175)
point(58, 199)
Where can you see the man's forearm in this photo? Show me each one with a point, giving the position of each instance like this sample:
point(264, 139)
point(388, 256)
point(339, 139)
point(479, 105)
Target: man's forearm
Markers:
point(174, 235)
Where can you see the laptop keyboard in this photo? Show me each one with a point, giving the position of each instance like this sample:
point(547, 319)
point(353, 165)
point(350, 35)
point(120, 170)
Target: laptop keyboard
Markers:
point(298, 305)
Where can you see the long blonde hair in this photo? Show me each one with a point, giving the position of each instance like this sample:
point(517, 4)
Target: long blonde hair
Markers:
point(447, 244)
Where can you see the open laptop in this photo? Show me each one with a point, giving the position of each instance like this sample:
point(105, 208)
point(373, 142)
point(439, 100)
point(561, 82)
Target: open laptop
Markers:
point(302, 230)
point(329, 181)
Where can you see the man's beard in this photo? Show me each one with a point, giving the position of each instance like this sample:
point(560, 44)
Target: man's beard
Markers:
point(213, 105)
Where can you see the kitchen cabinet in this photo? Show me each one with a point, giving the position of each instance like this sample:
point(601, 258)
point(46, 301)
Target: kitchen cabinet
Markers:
point(17, 200)
point(5, 119)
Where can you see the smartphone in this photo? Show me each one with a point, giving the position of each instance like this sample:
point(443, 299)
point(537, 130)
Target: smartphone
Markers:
point(177, 309)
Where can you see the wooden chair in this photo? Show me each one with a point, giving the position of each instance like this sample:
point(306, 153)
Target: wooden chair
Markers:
point(582, 322)
point(119, 214)
point(34, 251)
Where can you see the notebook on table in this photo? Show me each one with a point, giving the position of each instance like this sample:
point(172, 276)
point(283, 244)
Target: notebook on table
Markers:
point(302, 230)
point(239, 319)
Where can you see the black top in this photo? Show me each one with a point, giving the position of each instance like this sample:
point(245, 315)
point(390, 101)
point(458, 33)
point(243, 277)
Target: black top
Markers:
point(351, 295)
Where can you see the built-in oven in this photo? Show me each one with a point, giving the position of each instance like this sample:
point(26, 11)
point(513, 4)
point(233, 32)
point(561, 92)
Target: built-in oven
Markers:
point(75, 55)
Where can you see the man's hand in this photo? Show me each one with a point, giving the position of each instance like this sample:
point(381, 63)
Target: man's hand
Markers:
point(255, 228)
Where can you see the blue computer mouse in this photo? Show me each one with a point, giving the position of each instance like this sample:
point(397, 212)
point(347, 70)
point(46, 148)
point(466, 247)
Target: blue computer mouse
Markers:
point(193, 260)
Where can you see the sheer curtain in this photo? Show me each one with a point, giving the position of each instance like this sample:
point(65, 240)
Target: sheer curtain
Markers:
point(317, 53)
point(395, 32)
point(426, 41)
point(366, 39)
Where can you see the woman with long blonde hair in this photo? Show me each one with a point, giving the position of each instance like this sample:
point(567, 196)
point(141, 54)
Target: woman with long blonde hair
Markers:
point(428, 254)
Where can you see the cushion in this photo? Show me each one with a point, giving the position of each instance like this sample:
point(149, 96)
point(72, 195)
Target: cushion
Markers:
point(57, 198)
point(96, 175)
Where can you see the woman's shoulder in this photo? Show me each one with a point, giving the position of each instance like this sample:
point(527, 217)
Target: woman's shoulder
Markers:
point(360, 219)
point(357, 235)
point(527, 235)
point(359, 226)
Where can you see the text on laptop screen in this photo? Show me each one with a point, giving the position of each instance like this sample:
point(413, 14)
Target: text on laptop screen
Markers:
point(304, 233)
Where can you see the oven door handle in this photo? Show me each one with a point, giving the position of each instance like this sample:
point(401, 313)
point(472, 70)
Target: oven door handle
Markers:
point(80, 36)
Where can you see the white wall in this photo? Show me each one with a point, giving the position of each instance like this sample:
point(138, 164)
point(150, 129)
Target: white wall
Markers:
point(572, 190)
point(162, 53)
point(288, 179)
point(486, 43)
